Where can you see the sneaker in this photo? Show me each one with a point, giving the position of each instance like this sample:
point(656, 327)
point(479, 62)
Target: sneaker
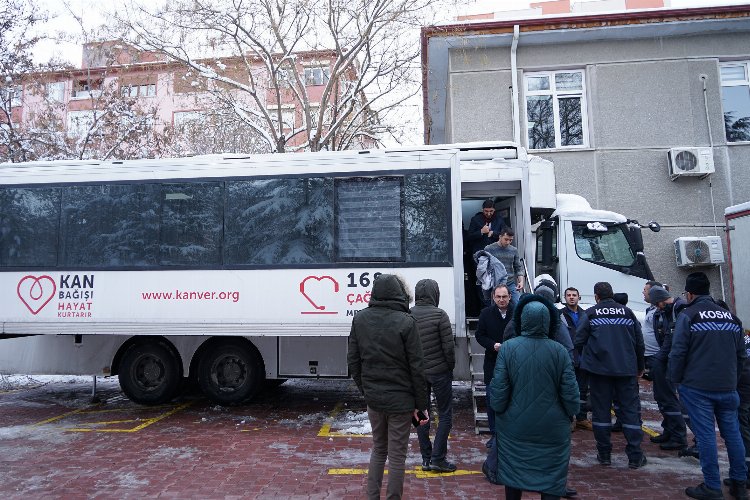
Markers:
point(604, 458)
point(737, 489)
point(443, 466)
point(689, 451)
point(637, 463)
point(661, 438)
point(701, 492)
point(426, 464)
point(728, 482)
point(672, 445)
point(585, 425)
point(570, 493)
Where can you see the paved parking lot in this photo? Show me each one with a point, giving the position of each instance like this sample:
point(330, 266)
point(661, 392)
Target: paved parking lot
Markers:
point(301, 440)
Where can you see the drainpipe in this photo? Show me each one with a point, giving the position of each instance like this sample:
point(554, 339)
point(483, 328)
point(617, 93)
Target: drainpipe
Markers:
point(514, 86)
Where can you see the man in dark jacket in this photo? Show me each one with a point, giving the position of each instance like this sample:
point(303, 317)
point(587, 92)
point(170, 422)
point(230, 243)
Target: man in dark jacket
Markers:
point(439, 360)
point(490, 328)
point(610, 342)
point(572, 314)
point(706, 360)
point(674, 436)
point(484, 227)
point(385, 360)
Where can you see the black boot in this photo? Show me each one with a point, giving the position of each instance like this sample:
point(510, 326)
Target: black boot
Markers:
point(604, 458)
point(737, 489)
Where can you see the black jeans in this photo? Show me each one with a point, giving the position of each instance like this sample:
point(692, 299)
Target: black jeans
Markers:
point(582, 377)
point(441, 385)
point(669, 406)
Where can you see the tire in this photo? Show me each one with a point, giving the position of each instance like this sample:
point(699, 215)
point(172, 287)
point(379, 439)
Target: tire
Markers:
point(231, 372)
point(150, 374)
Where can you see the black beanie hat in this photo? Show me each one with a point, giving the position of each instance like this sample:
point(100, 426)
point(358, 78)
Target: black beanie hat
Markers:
point(697, 283)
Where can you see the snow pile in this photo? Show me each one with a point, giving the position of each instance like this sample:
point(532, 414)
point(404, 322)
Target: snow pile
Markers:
point(353, 423)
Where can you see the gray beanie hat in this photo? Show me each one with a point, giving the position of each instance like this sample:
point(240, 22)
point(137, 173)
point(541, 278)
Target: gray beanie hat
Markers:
point(657, 294)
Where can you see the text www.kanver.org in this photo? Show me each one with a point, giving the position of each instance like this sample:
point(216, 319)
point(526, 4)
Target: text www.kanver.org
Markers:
point(191, 295)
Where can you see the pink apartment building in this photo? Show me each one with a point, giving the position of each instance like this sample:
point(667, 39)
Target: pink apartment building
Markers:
point(174, 93)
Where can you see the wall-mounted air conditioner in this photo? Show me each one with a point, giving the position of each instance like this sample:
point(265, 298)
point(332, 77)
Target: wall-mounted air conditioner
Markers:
point(698, 251)
point(690, 162)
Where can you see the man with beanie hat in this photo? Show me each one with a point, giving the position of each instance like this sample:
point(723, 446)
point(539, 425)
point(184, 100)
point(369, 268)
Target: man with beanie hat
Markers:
point(665, 395)
point(707, 356)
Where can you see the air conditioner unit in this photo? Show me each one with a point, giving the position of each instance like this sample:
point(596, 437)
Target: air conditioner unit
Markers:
point(690, 162)
point(698, 251)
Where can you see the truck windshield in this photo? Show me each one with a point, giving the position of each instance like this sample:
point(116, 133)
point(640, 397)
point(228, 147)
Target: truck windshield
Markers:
point(604, 244)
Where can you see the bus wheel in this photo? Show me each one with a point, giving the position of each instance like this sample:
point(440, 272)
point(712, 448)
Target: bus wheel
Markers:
point(231, 372)
point(149, 374)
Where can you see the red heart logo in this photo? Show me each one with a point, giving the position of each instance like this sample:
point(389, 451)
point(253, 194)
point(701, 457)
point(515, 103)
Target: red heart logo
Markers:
point(317, 278)
point(36, 291)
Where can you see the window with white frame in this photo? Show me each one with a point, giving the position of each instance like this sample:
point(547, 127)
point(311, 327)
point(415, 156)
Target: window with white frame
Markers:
point(79, 123)
point(735, 96)
point(146, 90)
point(12, 95)
point(556, 109)
point(185, 118)
point(288, 116)
point(87, 88)
point(56, 91)
point(317, 75)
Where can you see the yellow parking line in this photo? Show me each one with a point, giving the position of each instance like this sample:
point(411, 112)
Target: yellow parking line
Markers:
point(417, 471)
point(325, 430)
point(146, 422)
point(59, 417)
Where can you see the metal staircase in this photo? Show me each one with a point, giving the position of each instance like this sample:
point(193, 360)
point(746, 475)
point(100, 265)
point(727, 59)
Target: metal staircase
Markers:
point(478, 389)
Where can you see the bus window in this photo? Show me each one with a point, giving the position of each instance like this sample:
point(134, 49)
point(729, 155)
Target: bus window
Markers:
point(29, 226)
point(191, 224)
point(110, 225)
point(427, 218)
point(279, 221)
point(369, 226)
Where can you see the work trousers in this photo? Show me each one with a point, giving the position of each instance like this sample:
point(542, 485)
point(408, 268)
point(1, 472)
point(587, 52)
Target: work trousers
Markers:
point(669, 406)
point(390, 439)
point(441, 385)
point(603, 391)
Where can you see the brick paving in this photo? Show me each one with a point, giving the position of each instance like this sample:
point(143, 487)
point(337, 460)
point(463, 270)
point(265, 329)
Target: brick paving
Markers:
point(55, 444)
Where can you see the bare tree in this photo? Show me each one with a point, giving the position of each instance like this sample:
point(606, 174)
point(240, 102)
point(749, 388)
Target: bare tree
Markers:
point(343, 65)
point(17, 20)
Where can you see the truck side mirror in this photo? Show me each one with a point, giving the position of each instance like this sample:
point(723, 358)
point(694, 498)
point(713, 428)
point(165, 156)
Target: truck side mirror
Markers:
point(654, 226)
point(636, 238)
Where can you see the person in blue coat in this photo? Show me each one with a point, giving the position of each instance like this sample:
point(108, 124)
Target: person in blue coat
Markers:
point(534, 395)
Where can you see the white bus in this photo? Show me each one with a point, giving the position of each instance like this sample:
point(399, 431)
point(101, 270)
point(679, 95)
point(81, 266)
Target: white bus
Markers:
point(236, 270)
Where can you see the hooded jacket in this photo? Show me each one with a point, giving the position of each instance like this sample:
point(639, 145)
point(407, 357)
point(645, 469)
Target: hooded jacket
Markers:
point(534, 393)
point(385, 354)
point(434, 328)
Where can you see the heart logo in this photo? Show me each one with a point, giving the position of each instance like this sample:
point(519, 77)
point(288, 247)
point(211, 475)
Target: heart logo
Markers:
point(302, 289)
point(36, 291)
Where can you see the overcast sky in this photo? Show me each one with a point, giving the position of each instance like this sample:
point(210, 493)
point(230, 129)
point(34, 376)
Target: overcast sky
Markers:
point(90, 12)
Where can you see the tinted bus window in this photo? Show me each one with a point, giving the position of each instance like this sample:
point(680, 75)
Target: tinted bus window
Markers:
point(191, 224)
point(427, 218)
point(29, 219)
point(279, 221)
point(113, 225)
point(369, 224)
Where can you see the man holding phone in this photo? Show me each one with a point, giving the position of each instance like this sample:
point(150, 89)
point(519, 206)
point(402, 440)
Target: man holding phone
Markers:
point(386, 362)
point(439, 359)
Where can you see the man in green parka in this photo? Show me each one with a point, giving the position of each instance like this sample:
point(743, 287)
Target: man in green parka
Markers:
point(385, 360)
point(534, 395)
